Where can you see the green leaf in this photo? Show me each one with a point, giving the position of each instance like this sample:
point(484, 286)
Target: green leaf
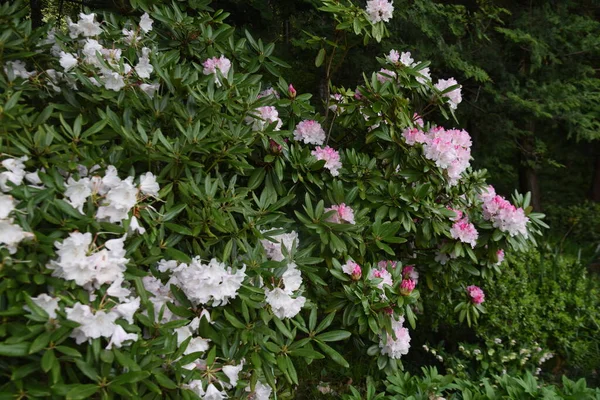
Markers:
point(320, 58)
point(82, 392)
point(335, 356)
point(130, 377)
point(334, 336)
point(14, 350)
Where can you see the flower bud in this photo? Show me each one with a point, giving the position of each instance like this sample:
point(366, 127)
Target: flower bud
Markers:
point(406, 287)
point(292, 91)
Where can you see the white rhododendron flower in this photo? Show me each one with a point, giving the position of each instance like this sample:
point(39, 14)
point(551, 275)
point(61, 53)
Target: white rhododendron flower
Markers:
point(77, 192)
point(148, 184)
point(232, 372)
point(262, 391)
point(18, 69)
point(119, 336)
point(90, 50)
point(68, 61)
point(395, 348)
point(14, 173)
point(144, 68)
point(92, 325)
point(379, 10)
point(47, 303)
point(274, 249)
point(119, 201)
point(7, 205)
point(282, 304)
point(146, 23)
point(11, 235)
point(212, 393)
point(112, 80)
point(150, 89)
point(292, 278)
point(86, 26)
point(75, 263)
point(213, 282)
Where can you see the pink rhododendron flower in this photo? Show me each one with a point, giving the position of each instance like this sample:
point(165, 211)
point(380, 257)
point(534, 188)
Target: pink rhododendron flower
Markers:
point(385, 75)
point(418, 121)
point(407, 286)
point(379, 10)
point(393, 57)
point(331, 157)
point(503, 215)
point(353, 269)
point(459, 214)
point(464, 231)
point(343, 214)
point(309, 132)
point(454, 96)
point(413, 135)
point(382, 274)
point(211, 66)
point(387, 264)
point(500, 256)
point(265, 116)
point(476, 294)
point(336, 98)
point(409, 272)
point(449, 149)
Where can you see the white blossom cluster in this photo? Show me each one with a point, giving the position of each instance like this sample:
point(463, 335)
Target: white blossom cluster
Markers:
point(274, 249)
point(12, 175)
point(206, 283)
point(395, 348)
point(262, 117)
point(104, 58)
point(280, 299)
point(117, 196)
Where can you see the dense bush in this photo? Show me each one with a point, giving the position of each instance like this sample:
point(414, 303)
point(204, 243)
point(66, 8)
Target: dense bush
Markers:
point(542, 317)
point(432, 385)
point(172, 227)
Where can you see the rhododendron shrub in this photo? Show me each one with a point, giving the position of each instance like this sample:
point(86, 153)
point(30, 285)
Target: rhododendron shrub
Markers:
point(177, 221)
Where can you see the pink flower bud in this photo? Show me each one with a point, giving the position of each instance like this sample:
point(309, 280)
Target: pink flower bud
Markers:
point(292, 91)
point(407, 286)
point(356, 273)
point(274, 146)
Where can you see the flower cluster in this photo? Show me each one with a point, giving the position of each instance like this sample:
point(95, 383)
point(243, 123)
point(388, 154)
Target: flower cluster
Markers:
point(309, 132)
point(343, 214)
point(211, 65)
point(454, 96)
point(385, 75)
point(264, 117)
point(331, 157)
point(379, 10)
point(89, 265)
point(502, 214)
point(353, 269)
point(405, 59)
point(398, 346)
point(476, 294)
point(274, 250)
point(106, 61)
point(117, 196)
point(213, 283)
point(13, 175)
point(464, 231)
point(281, 301)
point(449, 149)
point(384, 275)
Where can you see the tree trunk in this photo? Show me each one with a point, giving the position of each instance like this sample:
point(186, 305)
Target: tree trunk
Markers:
point(528, 178)
point(36, 13)
point(595, 192)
